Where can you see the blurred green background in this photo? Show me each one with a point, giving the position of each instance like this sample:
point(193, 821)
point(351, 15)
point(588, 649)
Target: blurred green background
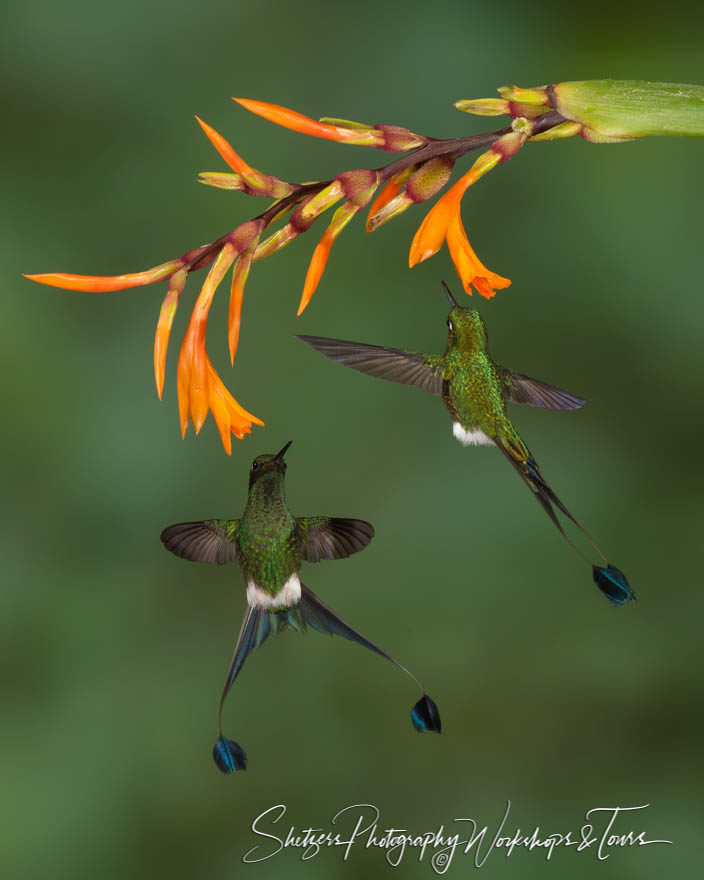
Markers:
point(113, 652)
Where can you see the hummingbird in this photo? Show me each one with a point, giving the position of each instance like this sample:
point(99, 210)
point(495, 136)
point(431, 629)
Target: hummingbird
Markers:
point(270, 545)
point(476, 392)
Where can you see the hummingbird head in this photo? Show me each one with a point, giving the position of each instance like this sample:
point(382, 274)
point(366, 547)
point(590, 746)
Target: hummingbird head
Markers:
point(465, 325)
point(268, 464)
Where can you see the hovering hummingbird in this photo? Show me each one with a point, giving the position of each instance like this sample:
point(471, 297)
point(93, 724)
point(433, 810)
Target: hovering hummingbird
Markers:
point(476, 391)
point(270, 544)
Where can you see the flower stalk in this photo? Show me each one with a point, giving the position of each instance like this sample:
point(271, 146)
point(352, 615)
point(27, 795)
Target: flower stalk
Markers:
point(601, 111)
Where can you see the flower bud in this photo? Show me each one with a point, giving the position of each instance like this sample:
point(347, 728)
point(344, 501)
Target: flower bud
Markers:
point(246, 234)
point(310, 208)
point(430, 178)
point(398, 139)
point(537, 97)
point(484, 106)
point(221, 179)
point(359, 185)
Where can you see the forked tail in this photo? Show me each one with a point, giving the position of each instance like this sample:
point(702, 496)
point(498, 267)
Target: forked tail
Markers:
point(259, 624)
point(611, 581)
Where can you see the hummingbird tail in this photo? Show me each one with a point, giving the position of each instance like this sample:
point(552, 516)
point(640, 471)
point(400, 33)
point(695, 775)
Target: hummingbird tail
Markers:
point(311, 611)
point(259, 624)
point(611, 581)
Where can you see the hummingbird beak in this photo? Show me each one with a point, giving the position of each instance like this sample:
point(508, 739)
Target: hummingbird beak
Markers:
point(453, 301)
point(280, 455)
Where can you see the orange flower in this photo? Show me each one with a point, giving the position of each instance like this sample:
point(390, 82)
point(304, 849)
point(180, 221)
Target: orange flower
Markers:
point(305, 125)
point(234, 314)
point(251, 180)
point(199, 387)
point(316, 267)
point(163, 327)
point(228, 414)
point(433, 230)
point(107, 283)
point(444, 223)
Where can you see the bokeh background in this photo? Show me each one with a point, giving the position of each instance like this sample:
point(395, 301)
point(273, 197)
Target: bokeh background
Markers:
point(113, 652)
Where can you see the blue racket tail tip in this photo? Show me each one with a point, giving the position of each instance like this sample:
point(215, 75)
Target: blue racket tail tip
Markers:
point(229, 756)
point(425, 716)
point(613, 584)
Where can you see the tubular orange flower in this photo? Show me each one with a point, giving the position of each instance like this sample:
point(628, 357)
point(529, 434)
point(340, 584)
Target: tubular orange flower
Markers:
point(432, 231)
point(199, 386)
point(305, 125)
point(235, 161)
point(107, 283)
point(234, 314)
point(340, 219)
point(163, 327)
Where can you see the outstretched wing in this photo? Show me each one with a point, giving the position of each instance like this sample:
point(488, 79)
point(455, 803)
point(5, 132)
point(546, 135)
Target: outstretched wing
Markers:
point(392, 364)
point(329, 537)
point(523, 389)
point(212, 540)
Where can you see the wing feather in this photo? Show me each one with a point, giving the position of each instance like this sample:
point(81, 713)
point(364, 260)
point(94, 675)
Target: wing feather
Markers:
point(523, 389)
point(327, 537)
point(211, 540)
point(392, 364)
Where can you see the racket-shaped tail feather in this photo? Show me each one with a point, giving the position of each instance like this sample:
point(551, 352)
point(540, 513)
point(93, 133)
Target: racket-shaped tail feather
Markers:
point(310, 611)
point(610, 580)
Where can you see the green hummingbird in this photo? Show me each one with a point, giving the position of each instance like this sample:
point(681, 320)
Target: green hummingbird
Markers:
point(270, 545)
point(476, 392)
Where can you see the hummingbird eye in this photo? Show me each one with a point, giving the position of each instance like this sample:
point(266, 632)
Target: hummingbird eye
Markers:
point(255, 465)
point(450, 325)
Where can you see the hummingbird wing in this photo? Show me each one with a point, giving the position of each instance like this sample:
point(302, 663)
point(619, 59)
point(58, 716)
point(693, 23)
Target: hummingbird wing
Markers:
point(393, 364)
point(212, 540)
point(330, 537)
point(523, 389)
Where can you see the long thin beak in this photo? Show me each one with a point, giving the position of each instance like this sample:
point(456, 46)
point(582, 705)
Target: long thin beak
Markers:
point(280, 455)
point(453, 301)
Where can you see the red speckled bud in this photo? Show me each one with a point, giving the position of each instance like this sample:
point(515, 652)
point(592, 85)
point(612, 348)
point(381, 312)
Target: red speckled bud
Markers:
point(359, 185)
point(244, 235)
point(398, 139)
point(430, 178)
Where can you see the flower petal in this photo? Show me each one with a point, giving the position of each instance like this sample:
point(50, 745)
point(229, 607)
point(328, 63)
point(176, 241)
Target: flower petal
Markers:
point(221, 414)
point(238, 415)
point(468, 265)
point(432, 231)
point(305, 125)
